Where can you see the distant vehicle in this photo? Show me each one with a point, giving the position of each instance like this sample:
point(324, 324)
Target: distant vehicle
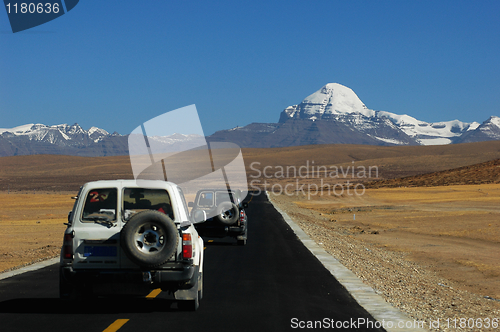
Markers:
point(225, 213)
point(128, 238)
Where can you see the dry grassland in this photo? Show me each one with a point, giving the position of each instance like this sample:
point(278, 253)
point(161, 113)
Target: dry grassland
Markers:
point(453, 230)
point(67, 173)
point(391, 161)
point(50, 173)
point(31, 227)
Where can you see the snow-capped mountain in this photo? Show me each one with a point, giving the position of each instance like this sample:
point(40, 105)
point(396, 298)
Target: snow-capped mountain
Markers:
point(337, 102)
point(74, 140)
point(174, 139)
point(487, 131)
point(335, 114)
point(59, 134)
point(426, 133)
point(331, 100)
point(60, 139)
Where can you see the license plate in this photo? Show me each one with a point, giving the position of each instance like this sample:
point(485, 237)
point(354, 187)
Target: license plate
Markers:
point(99, 251)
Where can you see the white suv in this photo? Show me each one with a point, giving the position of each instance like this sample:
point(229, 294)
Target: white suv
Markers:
point(129, 237)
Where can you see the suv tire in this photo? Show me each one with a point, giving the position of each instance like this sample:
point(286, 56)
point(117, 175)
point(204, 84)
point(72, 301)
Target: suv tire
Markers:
point(190, 305)
point(149, 238)
point(227, 213)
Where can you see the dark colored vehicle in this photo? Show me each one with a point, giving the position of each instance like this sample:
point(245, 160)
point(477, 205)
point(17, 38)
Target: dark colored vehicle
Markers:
point(225, 214)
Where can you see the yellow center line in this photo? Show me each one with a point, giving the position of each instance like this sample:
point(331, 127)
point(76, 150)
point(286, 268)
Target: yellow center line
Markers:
point(154, 293)
point(116, 325)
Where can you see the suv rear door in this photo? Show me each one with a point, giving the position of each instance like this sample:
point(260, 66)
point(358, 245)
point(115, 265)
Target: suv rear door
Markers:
point(96, 239)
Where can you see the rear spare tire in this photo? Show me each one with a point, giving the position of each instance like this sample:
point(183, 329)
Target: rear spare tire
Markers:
point(227, 213)
point(149, 238)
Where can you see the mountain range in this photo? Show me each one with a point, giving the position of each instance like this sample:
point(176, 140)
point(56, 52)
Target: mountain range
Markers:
point(74, 140)
point(61, 139)
point(332, 115)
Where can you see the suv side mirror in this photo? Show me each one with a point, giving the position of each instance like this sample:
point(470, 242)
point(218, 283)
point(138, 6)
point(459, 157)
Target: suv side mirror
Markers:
point(199, 216)
point(190, 204)
point(244, 204)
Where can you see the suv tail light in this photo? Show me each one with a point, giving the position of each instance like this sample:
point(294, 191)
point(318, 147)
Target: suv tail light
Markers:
point(68, 245)
point(187, 246)
point(242, 216)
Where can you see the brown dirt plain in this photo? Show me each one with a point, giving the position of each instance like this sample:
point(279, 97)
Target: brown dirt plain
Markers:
point(452, 229)
point(31, 227)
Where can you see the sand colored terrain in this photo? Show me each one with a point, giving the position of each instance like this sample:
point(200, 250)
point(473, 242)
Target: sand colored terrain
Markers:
point(31, 227)
point(53, 173)
point(67, 173)
point(487, 172)
point(453, 230)
point(391, 161)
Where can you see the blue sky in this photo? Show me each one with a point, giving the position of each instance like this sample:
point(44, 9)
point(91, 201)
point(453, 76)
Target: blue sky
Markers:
point(116, 64)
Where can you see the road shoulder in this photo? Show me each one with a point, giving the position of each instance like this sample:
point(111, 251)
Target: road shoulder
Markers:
point(362, 293)
point(29, 268)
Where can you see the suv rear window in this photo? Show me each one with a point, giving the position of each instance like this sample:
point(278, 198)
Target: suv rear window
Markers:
point(139, 199)
point(224, 196)
point(206, 199)
point(100, 204)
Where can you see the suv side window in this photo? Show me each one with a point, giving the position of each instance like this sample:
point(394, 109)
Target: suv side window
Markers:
point(100, 204)
point(140, 199)
point(183, 199)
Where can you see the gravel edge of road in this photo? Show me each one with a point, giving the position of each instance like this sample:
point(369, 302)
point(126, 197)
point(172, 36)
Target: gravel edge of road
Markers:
point(28, 268)
point(373, 303)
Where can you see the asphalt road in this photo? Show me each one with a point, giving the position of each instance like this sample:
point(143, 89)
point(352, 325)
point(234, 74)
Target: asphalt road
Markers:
point(272, 284)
